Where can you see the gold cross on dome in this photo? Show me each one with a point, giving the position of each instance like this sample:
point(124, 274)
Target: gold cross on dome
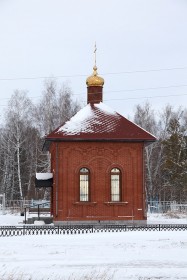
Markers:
point(95, 49)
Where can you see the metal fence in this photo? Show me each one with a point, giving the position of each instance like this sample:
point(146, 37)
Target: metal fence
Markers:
point(84, 229)
point(153, 206)
point(166, 206)
point(15, 206)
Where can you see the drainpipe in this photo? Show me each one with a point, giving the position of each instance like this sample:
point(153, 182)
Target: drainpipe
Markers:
point(56, 179)
point(144, 198)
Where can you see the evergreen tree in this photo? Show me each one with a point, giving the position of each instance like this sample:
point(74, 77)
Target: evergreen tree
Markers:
point(174, 166)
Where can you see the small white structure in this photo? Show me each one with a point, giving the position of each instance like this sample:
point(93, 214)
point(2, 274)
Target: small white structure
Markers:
point(39, 223)
point(44, 180)
point(44, 176)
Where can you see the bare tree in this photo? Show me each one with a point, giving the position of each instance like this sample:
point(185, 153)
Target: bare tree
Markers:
point(145, 117)
point(55, 107)
point(18, 119)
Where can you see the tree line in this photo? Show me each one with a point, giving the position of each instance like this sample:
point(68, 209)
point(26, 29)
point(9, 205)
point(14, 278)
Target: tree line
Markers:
point(25, 125)
point(166, 159)
point(22, 137)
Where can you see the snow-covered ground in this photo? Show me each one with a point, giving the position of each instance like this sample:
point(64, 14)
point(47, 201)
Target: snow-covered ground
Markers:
point(125, 255)
point(169, 218)
point(173, 218)
point(14, 219)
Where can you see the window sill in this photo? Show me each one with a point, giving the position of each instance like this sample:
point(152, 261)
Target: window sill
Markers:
point(88, 203)
point(111, 203)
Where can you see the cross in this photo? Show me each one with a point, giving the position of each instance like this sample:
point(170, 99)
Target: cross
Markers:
point(95, 52)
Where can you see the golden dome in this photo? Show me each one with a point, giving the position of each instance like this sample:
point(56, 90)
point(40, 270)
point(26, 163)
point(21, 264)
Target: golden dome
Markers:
point(94, 80)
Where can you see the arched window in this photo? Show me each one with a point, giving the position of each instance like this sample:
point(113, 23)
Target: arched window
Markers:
point(115, 177)
point(84, 179)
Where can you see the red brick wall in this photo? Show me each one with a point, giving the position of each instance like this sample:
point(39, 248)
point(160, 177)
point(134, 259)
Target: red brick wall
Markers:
point(68, 157)
point(95, 94)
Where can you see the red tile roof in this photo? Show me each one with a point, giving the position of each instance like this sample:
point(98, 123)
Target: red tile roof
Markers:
point(97, 122)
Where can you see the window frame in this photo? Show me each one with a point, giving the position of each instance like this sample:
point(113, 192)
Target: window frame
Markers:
point(85, 194)
point(119, 191)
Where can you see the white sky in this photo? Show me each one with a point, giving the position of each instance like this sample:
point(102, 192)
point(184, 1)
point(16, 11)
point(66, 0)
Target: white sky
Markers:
point(41, 38)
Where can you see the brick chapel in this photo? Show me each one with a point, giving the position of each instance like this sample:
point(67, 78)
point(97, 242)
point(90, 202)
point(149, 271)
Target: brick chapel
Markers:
point(97, 161)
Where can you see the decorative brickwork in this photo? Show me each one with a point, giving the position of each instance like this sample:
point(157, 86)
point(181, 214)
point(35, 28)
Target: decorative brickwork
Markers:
point(99, 157)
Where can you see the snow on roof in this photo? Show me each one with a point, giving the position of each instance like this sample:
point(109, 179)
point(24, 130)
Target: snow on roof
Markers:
point(103, 107)
point(99, 122)
point(44, 176)
point(79, 122)
point(85, 119)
